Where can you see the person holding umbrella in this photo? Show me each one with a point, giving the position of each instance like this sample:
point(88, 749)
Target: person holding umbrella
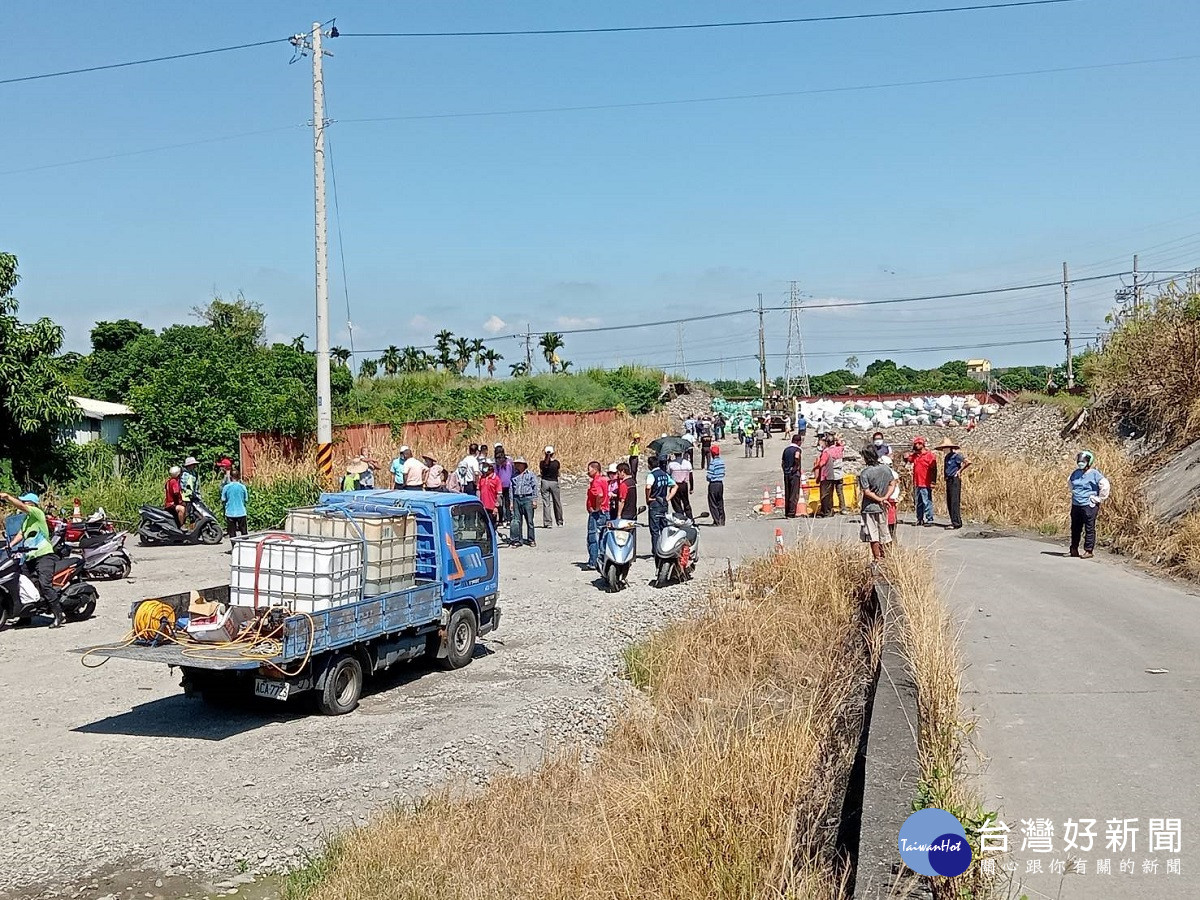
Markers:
point(954, 464)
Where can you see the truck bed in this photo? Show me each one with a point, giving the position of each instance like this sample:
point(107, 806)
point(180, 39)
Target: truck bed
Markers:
point(418, 607)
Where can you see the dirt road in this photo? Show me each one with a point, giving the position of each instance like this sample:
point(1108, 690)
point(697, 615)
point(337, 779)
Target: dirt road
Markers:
point(115, 770)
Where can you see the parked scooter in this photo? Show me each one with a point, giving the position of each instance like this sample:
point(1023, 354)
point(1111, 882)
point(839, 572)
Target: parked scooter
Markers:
point(159, 526)
point(104, 556)
point(20, 599)
point(677, 549)
point(75, 530)
point(618, 548)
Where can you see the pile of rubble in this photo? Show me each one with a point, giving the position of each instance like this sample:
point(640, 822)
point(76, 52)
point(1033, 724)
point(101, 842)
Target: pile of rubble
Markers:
point(1029, 429)
point(684, 399)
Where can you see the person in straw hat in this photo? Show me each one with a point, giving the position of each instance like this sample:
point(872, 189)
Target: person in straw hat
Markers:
point(954, 464)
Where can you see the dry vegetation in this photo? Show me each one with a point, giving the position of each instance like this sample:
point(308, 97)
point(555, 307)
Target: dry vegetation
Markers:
point(574, 446)
point(720, 781)
point(930, 644)
point(1015, 491)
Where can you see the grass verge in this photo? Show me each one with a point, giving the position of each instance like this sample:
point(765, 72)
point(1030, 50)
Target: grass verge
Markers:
point(724, 779)
point(930, 644)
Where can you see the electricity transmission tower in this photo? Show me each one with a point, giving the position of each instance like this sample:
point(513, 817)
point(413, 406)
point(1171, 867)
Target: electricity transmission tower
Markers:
point(679, 364)
point(795, 368)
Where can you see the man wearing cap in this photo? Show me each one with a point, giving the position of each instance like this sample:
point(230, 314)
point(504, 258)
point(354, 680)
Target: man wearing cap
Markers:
point(413, 470)
point(548, 468)
point(34, 538)
point(716, 485)
point(524, 495)
point(952, 467)
point(924, 473)
point(189, 485)
point(793, 474)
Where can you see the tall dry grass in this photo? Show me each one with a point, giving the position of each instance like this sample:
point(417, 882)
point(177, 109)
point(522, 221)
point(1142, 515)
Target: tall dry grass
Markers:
point(1011, 490)
point(720, 781)
point(574, 446)
point(948, 778)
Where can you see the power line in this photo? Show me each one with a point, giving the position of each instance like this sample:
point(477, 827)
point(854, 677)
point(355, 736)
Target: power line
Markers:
point(142, 62)
point(694, 26)
point(925, 82)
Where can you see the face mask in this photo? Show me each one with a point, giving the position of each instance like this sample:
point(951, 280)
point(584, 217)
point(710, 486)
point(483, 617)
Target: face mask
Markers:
point(878, 443)
point(1081, 465)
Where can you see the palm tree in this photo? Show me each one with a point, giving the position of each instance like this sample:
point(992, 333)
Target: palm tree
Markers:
point(518, 369)
point(442, 341)
point(477, 349)
point(551, 342)
point(340, 355)
point(462, 354)
point(298, 343)
point(391, 360)
point(368, 368)
point(564, 365)
point(412, 360)
point(490, 358)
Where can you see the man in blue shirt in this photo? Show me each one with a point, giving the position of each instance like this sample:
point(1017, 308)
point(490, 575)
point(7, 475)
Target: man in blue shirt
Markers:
point(716, 485)
point(952, 468)
point(524, 493)
point(234, 496)
point(1089, 488)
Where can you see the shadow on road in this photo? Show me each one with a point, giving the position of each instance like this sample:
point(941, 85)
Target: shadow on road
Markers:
point(187, 717)
point(1059, 553)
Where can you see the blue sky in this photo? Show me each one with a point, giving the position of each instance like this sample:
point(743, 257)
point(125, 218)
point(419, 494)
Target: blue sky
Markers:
point(570, 219)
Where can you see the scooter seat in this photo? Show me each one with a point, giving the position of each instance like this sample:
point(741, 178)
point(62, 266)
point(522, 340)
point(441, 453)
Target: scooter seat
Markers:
point(71, 562)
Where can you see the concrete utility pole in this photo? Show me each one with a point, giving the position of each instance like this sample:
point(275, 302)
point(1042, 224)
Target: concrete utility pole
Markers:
point(762, 351)
point(1067, 327)
point(528, 349)
point(1137, 291)
point(324, 400)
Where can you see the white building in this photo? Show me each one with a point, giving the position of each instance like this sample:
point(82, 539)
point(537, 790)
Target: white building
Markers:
point(99, 421)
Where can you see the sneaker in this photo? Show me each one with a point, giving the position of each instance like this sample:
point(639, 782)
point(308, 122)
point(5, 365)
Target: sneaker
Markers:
point(1086, 554)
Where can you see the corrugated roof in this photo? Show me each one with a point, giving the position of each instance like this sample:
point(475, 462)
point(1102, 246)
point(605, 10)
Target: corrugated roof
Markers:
point(98, 409)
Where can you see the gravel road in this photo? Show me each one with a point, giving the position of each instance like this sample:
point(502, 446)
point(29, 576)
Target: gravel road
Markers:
point(114, 771)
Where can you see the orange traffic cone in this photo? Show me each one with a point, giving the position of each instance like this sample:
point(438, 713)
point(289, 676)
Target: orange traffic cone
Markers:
point(778, 497)
point(766, 502)
point(779, 541)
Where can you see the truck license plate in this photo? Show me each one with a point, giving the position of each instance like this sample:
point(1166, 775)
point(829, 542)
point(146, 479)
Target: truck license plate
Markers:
point(274, 690)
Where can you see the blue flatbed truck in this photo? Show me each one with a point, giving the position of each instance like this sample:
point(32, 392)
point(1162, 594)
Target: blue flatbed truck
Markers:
point(455, 599)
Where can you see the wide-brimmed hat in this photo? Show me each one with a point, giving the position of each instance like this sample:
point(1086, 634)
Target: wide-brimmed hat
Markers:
point(429, 456)
point(520, 461)
point(356, 466)
point(191, 461)
point(947, 445)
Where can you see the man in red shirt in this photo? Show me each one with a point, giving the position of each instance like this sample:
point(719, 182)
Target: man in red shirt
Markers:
point(173, 495)
point(597, 511)
point(489, 490)
point(924, 473)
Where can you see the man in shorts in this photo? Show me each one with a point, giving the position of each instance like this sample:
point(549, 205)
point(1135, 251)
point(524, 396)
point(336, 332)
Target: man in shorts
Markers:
point(875, 483)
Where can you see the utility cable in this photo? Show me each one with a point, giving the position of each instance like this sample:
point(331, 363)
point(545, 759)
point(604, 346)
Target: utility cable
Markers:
point(337, 219)
point(142, 62)
point(695, 26)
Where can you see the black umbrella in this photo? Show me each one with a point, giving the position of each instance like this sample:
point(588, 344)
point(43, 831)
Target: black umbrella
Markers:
point(663, 446)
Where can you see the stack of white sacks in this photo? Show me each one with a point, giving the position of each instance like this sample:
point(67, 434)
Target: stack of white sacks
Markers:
point(945, 411)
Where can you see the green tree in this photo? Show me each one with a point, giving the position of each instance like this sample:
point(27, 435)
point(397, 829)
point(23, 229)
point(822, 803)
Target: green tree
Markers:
point(461, 351)
point(852, 363)
point(551, 342)
point(368, 368)
point(391, 360)
point(518, 369)
point(115, 336)
point(35, 401)
point(477, 349)
point(490, 358)
point(339, 356)
point(298, 343)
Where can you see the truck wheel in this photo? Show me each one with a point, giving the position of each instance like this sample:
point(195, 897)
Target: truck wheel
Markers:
point(460, 638)
point(343, 687)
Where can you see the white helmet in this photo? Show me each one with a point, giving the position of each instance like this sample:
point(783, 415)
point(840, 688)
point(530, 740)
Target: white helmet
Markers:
point(174, 471)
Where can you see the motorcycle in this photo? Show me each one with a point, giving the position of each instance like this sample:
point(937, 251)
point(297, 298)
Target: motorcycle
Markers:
point(104, 556)
point(159, 526)
point(618, 548)
point(677, 549)
point(75, 530)
point(20, 599)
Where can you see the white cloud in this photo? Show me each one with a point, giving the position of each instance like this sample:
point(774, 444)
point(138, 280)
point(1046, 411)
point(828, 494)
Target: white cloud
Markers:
point(494, 325)
point(577, 321)
point(419, 323)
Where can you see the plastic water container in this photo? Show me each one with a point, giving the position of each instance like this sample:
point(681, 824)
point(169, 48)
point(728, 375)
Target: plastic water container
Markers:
point(389, 541)
point(306, 573)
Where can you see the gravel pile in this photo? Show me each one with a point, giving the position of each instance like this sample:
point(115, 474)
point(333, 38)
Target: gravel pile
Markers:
point(696, 402)
point(1029, 429)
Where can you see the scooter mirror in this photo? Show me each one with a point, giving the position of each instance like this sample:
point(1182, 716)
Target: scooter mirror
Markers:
point(703, 516)
point(641, 509)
